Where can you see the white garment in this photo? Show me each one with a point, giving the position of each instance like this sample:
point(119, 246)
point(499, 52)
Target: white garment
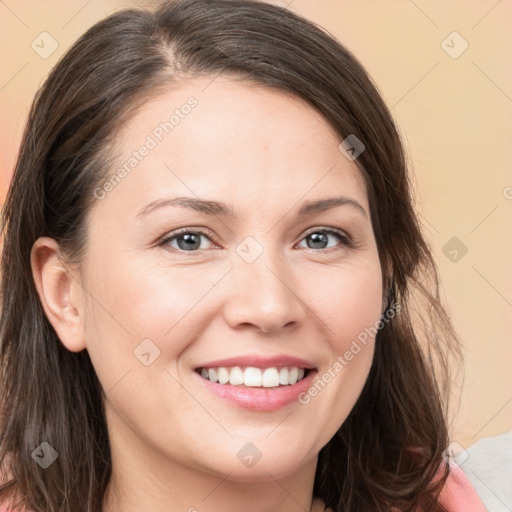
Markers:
point(488, 466)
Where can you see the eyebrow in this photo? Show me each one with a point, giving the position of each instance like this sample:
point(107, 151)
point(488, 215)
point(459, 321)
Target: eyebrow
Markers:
point(215, 208)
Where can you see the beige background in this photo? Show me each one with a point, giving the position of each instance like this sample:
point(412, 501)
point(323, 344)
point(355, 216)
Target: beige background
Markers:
point(456, 118)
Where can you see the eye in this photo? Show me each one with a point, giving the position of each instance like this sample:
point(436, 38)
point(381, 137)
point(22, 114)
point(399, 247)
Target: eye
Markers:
point(186, 239)
point(320, 237)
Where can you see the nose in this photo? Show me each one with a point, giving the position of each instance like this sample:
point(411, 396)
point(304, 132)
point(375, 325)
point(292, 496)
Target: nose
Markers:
point(264, 295)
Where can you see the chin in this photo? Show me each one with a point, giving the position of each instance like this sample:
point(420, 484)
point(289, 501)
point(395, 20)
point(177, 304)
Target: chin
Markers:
point(273, 466)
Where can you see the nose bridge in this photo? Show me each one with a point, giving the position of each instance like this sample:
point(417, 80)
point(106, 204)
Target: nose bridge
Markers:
point(264, 292)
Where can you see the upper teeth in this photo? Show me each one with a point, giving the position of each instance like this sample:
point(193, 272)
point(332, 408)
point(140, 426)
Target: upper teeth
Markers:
point(254, 377)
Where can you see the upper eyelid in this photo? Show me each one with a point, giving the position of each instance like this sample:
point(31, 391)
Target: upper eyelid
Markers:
point(326, 228)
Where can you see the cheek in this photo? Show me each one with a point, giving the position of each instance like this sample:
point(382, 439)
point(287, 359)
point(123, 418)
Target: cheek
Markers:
point(351, 313)
point(134, 302)
point(174, 306)
point(350, 302)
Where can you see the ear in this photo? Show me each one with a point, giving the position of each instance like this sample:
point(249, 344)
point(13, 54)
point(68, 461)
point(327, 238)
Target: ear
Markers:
point(60, 293)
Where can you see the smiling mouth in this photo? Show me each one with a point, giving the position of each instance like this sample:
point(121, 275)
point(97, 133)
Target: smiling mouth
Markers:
point(252, 377)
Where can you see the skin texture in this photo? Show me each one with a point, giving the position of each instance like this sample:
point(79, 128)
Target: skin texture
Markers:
point(174, 443)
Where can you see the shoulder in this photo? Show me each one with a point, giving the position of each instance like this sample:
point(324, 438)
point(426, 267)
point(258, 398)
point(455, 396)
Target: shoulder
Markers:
point(458, 494)
point(6, 504)
point(8, 507)
point(4, 507)
point(488, 466)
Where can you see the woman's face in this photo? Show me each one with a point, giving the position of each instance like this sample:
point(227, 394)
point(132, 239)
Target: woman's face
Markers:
point(260, 284)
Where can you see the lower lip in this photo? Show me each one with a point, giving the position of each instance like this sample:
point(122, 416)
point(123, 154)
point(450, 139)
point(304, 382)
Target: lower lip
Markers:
point(260, 399)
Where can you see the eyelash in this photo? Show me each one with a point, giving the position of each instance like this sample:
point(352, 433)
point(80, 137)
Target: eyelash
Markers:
point(345, 239)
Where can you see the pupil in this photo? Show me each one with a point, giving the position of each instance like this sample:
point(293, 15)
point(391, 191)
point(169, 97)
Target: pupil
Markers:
point(189, 242)
point(318, 238)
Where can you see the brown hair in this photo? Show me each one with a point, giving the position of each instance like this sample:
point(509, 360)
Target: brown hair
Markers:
point(51, 394)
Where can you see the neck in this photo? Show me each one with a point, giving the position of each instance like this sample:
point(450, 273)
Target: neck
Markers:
point(144, 479)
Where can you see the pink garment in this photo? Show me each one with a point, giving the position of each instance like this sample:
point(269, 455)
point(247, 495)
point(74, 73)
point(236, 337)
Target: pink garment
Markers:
point(458, 495)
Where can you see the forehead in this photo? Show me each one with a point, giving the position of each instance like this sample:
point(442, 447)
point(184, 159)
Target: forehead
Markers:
point(213, 137)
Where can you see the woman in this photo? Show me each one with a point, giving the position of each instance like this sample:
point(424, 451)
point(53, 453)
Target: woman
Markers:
point(210, 267)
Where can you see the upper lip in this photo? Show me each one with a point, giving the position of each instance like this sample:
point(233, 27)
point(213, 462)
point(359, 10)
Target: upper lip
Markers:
point(259, 361)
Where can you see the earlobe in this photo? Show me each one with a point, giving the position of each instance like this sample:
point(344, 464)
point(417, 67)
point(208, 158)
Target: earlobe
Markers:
point(58, 292)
